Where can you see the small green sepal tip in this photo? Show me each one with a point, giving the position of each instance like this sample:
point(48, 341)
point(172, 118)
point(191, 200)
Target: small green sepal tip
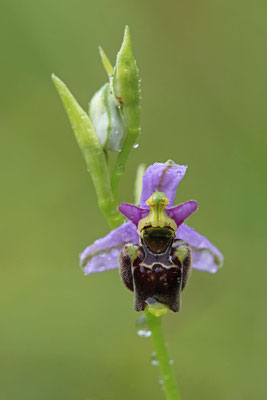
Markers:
point(105, 61)
point(157, 309)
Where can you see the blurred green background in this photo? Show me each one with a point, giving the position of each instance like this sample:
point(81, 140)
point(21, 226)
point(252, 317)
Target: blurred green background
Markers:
point(203, 67)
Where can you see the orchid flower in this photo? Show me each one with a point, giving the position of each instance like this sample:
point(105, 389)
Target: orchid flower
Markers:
point(103, 254)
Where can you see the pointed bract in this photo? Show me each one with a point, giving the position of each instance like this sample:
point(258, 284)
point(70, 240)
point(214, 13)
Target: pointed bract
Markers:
point(105, 61)
point(92, 151)
point(80, 122)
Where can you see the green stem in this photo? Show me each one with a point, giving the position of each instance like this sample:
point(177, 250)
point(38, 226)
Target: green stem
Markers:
point(100, 177)
point(160, 346)
point(119, 167)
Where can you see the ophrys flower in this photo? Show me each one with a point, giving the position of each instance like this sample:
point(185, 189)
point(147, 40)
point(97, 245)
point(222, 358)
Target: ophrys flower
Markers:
point(155, 229)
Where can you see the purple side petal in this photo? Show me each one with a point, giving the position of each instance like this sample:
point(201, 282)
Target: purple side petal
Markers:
point(103, 254)
point(181, 212)
point(133, 213)
point(163, 178)
point(206, 257)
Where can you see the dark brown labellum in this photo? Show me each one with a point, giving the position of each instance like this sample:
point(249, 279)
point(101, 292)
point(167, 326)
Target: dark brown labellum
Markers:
point(157, 268)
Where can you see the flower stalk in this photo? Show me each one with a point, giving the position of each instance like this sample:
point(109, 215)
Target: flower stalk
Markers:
point(163, 359)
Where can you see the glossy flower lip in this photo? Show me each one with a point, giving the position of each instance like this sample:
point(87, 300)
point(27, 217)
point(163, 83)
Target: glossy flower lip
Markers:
point(103, 254)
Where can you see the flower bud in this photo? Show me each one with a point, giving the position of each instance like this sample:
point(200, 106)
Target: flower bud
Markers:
point(126, 82)
point(105, 116)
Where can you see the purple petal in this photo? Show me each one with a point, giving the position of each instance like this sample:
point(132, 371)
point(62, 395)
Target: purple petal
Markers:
point(178, 213)
point(163, 178)
point(133, 213)
point(206, 257)
point(181, 212)
point(103, 254)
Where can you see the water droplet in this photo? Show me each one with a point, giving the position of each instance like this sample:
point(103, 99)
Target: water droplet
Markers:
point(144, 333)
point(142, 328)
point(88, 170)
point(160, 381)
point(154, 360)
point(171, 362)
point(135, 145)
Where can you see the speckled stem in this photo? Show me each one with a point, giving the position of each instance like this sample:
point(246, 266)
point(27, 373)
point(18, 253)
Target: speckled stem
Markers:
point(119, 167)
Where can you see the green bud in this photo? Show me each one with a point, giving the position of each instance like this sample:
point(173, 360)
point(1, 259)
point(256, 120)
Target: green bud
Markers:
point(126, 83)
point(106, 119)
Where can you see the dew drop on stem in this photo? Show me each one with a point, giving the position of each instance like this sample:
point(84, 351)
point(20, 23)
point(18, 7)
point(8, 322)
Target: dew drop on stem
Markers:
point(142, 328)
point(154, 360)
point(144, 333)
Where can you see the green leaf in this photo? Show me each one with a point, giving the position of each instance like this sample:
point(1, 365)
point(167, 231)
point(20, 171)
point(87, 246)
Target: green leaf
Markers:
point(92, 151)
point(80, 122)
